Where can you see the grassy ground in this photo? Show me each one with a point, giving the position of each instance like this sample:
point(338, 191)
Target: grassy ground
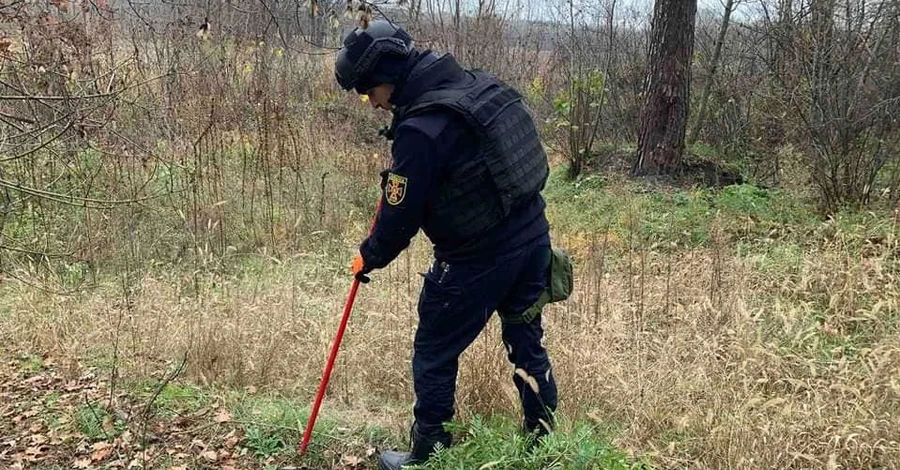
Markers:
point(710, 329)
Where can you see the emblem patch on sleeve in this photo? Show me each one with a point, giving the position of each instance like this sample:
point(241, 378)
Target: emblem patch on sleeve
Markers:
point(396, 189)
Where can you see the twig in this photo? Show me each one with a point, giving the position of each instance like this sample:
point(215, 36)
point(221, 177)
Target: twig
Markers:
point(17, 118)
point(42, 145)
point(37, 253)
point(37, 286)
point(96, 417)
point(73, 200)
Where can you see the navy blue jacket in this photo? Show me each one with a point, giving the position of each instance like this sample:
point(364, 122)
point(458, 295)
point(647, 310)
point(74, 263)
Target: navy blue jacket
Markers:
point(425, 148)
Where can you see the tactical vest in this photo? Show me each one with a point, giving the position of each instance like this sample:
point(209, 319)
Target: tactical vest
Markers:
point(509, 169)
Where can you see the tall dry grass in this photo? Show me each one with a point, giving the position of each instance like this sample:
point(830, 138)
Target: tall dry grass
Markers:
point(696, 358)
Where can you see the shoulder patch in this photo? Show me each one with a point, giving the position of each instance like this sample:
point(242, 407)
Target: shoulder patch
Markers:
point(396, 189)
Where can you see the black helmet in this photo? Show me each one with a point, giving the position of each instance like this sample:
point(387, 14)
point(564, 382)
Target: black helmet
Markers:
point(357, 63)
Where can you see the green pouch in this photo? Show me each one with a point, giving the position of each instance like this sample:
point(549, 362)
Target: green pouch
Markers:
point(559, 286)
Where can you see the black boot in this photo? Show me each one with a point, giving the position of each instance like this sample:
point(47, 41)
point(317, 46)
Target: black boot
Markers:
point(421, 448)
point(534, 431)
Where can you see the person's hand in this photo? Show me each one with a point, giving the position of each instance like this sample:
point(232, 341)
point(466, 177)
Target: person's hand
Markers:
point(360, 270)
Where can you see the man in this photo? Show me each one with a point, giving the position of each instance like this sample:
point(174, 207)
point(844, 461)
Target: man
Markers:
point(467, 169)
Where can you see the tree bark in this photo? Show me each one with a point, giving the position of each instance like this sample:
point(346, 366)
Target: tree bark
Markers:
point(667, 88)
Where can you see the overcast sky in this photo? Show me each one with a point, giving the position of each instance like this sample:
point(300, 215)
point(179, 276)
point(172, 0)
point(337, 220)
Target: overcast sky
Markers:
point(551, 8)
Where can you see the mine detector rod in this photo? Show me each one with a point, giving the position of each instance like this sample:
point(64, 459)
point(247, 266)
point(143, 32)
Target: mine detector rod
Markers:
point(335, 346)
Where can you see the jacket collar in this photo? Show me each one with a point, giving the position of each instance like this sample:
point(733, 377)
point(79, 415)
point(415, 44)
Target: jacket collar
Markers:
point(427, 72)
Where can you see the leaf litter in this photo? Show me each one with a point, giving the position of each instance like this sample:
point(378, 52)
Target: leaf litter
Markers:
point(50, 419)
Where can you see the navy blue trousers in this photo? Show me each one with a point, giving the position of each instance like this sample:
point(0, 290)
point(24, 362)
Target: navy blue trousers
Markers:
point(455, 304)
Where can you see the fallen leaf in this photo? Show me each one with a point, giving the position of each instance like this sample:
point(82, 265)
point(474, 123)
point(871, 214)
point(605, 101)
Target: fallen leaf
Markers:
point(232, 441)
point(222, 416)
point(33, 451)
point(82, 463)
point(101, 454)
point(38, 439)
point(35, 428)
point(101, 445)
point(108, 424)
point(210, 455)
point(178, 467)
point(351, 460)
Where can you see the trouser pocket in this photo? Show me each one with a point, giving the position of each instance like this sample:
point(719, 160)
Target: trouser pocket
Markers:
point(560, 283)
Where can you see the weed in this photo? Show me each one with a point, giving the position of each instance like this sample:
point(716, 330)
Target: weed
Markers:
point(498, 444)
point(33, 363)
point(270, 425)
point(96, 423)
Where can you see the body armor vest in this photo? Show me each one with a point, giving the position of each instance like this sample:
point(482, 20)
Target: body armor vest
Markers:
point(510, 166)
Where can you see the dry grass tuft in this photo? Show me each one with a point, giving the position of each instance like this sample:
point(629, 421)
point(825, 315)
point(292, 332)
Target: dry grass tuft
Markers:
point(774, 367)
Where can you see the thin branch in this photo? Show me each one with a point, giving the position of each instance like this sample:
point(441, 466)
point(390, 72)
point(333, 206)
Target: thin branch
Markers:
point(72, 200)
point(36, 253)
point(110, 94)
point(37, 286)
point(17, 118)
point(42, 145)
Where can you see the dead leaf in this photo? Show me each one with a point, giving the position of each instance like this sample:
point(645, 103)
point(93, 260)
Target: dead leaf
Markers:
point(178, 467)
point(33, 451)
point(231, 441)
point(222, 416)
point(101, 445)
point(351, 460)
point(108, 424)
point(101, 453)
point(35, 428)
point(210, 455)
point(82, 463)
point(38, 439)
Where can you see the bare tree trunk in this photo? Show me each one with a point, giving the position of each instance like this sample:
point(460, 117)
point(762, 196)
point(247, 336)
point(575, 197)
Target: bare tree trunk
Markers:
point(713, 68)
point(667, 87)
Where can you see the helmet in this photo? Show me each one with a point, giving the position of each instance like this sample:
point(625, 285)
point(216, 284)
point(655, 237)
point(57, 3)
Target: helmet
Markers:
point(368, 53)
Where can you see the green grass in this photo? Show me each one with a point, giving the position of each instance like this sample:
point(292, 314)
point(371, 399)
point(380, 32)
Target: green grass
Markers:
point(746, 214)
point(497, 444)
point(96, 423)
point(33, 363)
point(271, 425)
point(177, 397)
point(173, 399)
